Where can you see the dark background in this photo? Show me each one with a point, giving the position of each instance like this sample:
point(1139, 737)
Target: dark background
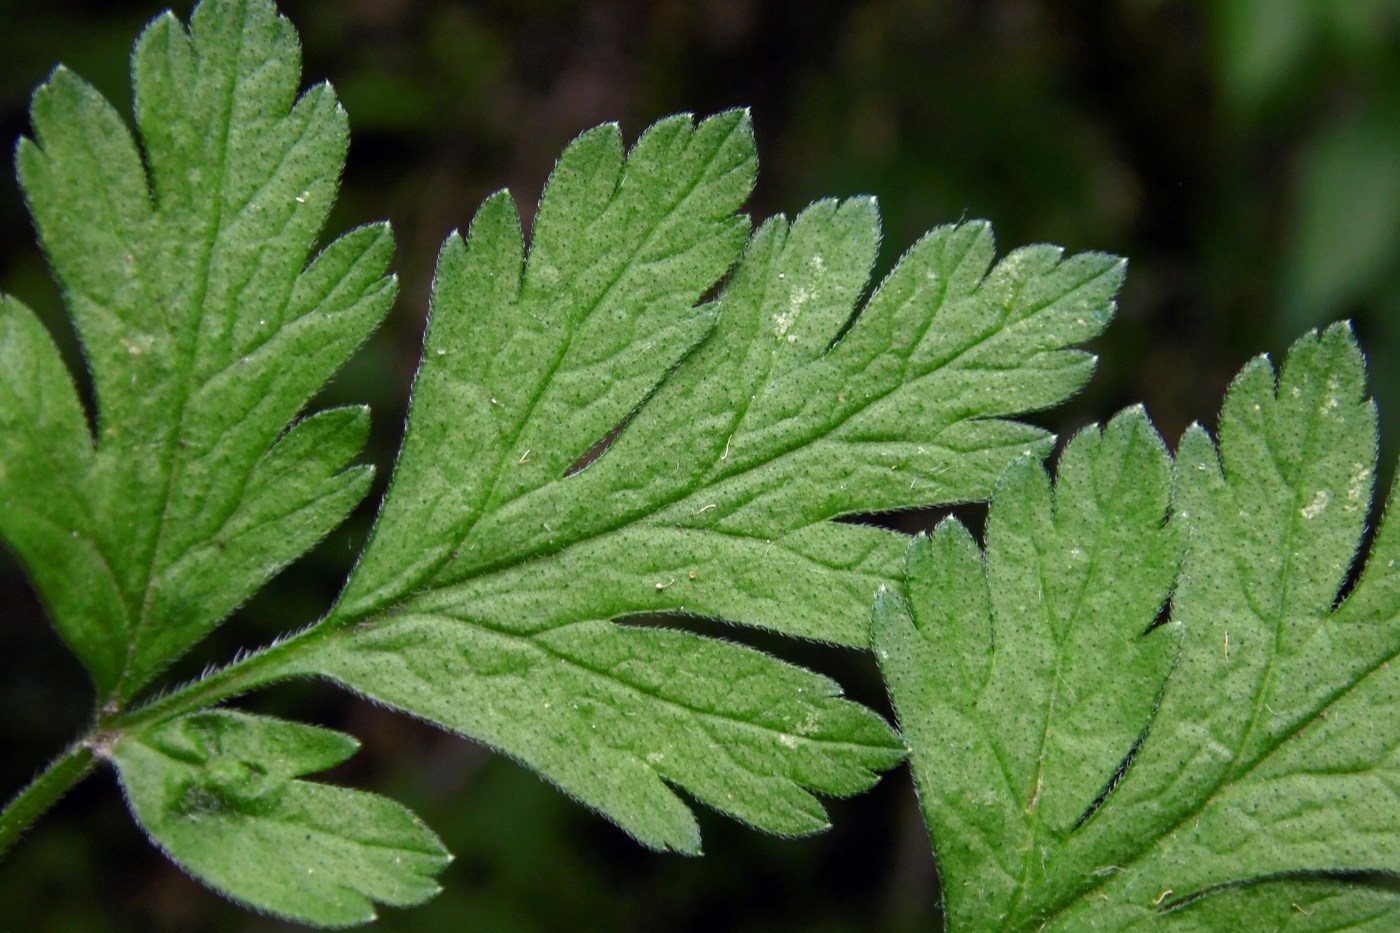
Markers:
point(1244, 155)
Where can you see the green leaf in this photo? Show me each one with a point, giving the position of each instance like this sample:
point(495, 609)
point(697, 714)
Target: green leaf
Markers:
point(44, 447)
point(1022, 680)
point(1259, 788)
point(1290, 904)
point(184, 266)
point(590, 440)
point(645, 412)
point(218, 792)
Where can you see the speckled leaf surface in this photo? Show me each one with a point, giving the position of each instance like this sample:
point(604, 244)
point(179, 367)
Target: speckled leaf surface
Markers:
point(642, 409)
point(1260, 790)
point(591, 440)
point(219, 793)
point(184, 265)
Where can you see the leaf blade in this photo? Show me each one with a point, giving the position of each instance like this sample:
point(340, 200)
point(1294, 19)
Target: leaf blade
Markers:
point(1259, 785)
point(46, 448)
point(510, 526)
point(218, 792)
point(610, 713)
point(1281, 445)
point(545, 365)
point(204, 327)
point(1014, 727)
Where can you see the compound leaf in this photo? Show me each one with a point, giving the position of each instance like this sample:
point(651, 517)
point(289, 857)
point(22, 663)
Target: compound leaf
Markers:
point(184, 265)
point(590, 440)
point(1254, 784)
point(218, 791)
point(602, 428)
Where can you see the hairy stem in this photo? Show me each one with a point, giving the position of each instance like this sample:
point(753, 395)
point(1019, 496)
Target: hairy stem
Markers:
point(248, 673)
point(43, 792)
point(258, 669)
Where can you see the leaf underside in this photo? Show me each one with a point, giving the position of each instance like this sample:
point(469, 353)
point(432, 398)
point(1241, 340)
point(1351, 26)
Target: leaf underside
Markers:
point(1244, 779)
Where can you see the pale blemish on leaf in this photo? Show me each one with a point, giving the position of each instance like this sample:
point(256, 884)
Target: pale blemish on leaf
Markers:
point(1314, 508)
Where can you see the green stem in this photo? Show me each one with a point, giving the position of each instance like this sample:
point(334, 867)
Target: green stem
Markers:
point(43, 792)
point(256, 670)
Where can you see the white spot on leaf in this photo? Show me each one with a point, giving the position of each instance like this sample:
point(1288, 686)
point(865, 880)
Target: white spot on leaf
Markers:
point(1360, 484)
point(1314, 508)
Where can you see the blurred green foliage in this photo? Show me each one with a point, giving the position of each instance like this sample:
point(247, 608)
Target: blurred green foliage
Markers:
point(1244, 154)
